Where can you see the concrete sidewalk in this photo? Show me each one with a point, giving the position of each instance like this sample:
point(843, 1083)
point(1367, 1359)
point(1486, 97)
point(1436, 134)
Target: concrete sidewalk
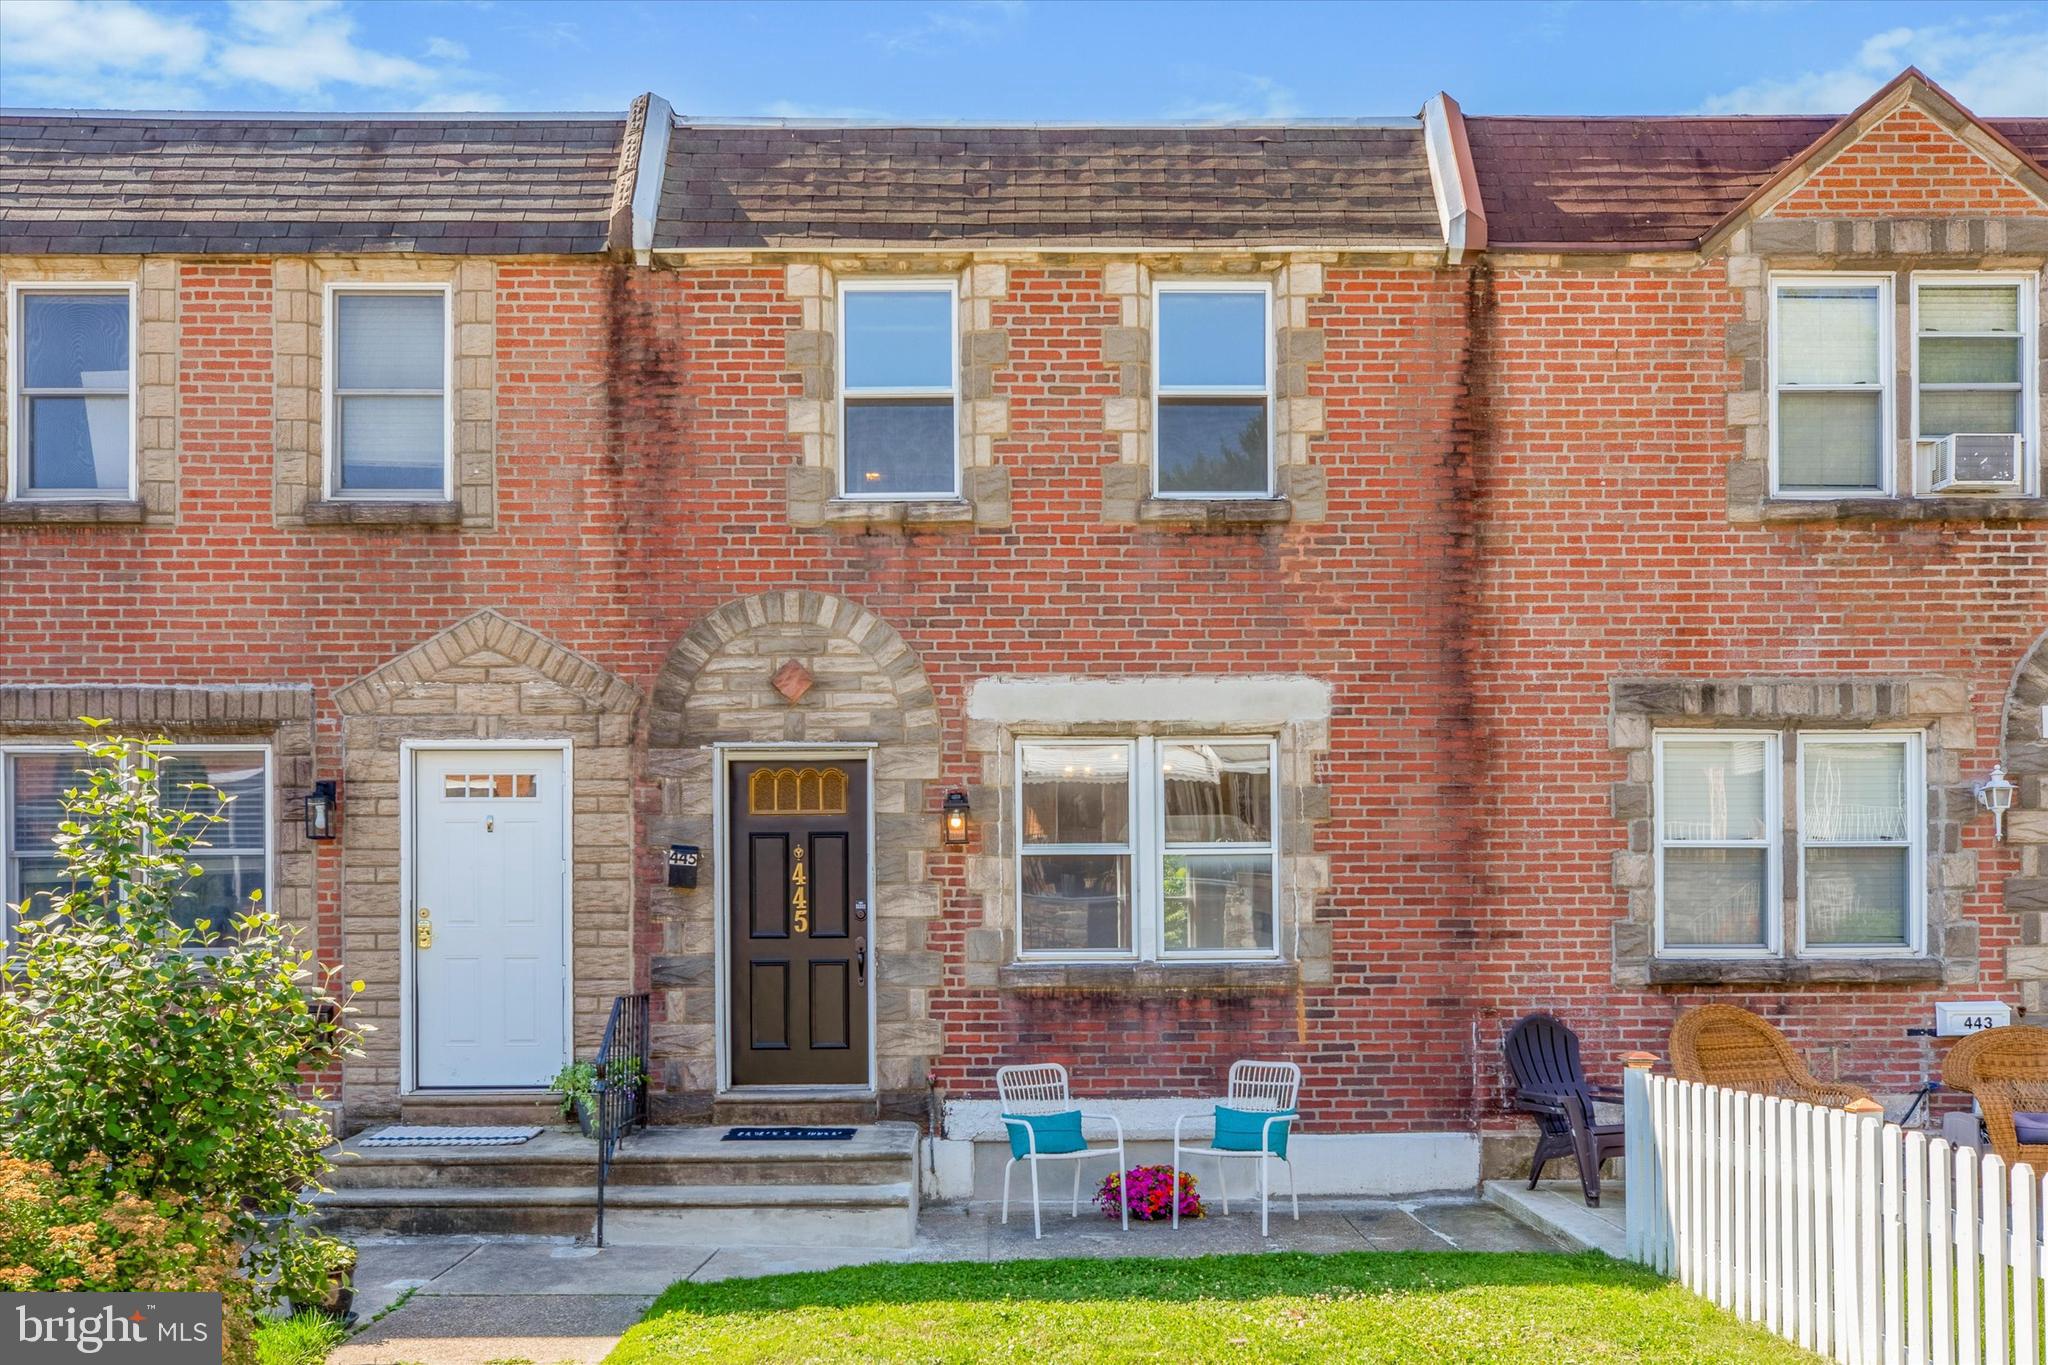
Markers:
point(475, 1301)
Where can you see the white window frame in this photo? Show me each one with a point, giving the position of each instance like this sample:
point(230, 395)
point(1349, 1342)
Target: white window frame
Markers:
point(1147, 849)
point(1772, 843)
point(950, 392)
point(2029, 286)
point(10, 752)
point(1916, 841)
point(1161, 390)
point(17, 396)
point(1887, 371)
point(330, 447)
point(1783, 837)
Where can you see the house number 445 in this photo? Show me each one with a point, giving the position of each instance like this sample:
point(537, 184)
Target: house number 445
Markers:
point(799, 894)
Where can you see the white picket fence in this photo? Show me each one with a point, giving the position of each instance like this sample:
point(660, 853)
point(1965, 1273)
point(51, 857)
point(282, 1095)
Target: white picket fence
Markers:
point(1840, 1232)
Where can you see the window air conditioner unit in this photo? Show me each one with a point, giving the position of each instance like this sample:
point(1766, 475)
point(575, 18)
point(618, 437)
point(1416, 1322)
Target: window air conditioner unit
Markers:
point(1973, 462)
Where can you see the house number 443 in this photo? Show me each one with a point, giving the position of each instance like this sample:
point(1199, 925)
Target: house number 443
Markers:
point(799, 894)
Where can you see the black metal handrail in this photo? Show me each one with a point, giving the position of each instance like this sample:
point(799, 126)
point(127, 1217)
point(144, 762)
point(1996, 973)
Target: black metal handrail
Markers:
point(620, 1089)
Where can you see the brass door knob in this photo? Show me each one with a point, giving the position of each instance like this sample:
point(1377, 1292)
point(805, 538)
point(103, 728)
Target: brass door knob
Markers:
point(423, 929)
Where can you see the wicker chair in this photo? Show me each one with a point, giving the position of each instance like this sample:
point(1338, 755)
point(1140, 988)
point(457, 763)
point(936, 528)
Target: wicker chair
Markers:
point(2006, 1069)
point(1725, 1046)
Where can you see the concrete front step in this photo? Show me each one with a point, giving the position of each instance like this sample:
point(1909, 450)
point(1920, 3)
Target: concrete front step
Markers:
point(767, 1110)
point(668, 1185)
point(507, 1107)
point(639, 1215)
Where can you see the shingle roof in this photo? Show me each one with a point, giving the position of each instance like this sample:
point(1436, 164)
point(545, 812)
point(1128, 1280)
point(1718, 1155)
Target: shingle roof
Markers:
point(136, 183)
point(1641, 183)
point(788, 186)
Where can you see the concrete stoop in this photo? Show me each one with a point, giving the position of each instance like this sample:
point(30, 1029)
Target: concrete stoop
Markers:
point(669, 1186)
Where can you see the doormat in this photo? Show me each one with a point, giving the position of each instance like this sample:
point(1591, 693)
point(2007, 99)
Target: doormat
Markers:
point(427, 1135)
point(787, 1134)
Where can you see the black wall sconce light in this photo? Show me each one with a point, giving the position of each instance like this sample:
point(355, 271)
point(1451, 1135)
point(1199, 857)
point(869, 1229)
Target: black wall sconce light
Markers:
point(323, 811)
point(955, 818)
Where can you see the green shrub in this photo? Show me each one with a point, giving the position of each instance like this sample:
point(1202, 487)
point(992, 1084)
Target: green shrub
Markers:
point(301, 1339)
point(160, 1060)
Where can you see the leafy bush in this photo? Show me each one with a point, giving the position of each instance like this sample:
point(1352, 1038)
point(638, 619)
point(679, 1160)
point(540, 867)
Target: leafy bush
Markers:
point(157, 1060)
point(92, 1230)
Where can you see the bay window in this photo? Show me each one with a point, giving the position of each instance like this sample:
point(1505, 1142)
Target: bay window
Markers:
point(1156, 849)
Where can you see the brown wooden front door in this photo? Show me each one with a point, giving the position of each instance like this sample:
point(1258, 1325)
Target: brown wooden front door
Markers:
point(801, 924)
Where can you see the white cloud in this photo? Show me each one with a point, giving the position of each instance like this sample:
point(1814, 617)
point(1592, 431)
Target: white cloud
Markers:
point(99, 53)
point(293, 53)
point(1231, 97)
point(962, 23)
point(1998, 67)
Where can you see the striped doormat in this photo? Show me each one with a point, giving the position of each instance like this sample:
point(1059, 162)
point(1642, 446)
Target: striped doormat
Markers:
point(451, 1135)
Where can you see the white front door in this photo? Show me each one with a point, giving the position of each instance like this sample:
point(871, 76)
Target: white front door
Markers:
point(486, 920)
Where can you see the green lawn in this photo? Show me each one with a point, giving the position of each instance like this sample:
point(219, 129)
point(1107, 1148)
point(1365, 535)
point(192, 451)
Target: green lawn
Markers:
point(1377, 1306)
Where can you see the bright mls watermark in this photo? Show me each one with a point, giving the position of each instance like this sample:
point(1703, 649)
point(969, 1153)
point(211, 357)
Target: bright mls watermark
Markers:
point(119, 1329)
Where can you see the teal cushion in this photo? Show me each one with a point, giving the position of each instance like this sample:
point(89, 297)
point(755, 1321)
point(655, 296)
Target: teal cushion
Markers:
point(1056, 1133)
point(1240, 1130)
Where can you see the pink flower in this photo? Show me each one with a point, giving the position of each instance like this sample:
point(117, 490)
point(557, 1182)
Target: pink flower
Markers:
point(1150, 1192)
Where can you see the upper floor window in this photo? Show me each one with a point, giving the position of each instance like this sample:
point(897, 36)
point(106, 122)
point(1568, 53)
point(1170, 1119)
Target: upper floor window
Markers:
point(1146, 848)
point(234, 863)
point(1856, 831)
point(1831, 370)
point(73, 379)
point(1212, 419)
point(389, 420)
point(899, 389)
point(1974, 381)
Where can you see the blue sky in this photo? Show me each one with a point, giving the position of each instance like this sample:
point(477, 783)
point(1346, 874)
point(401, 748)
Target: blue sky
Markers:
point(1049, 60)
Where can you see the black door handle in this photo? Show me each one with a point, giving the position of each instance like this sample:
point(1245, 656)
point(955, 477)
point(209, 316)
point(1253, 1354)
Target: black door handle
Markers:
point(860, 959)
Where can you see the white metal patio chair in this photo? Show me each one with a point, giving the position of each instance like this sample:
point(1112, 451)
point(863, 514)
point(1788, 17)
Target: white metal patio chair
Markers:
point(1267, 1090)
point(1039, 1091)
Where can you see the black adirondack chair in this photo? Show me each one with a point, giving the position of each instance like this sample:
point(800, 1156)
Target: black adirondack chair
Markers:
point(1550, 1083)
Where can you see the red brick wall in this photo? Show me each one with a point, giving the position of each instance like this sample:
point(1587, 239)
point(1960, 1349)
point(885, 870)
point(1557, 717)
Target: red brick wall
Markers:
point(1366, 600)
point(1907, 165)
point(641, 454)
point(1610, 553)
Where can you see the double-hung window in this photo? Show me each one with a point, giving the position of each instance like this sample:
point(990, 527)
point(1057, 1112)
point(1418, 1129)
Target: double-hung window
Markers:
point(72, 427)
point(1831, 366)
point(389, 419)
point(1146, 848)
point(1212, 419)
point(234, 863)
point(899, 368)
point(1974, 373)
point(1856, 834)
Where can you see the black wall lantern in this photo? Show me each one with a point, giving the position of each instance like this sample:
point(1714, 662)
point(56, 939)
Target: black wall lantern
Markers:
point(323, 811)
point(956, 813)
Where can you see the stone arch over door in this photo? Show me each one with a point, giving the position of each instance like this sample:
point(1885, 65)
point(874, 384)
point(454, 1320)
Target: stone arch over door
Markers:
point(847, 677)
point(486, 677)
point(2025, 755)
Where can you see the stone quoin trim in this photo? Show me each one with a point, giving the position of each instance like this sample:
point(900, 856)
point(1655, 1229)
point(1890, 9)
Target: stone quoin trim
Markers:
point(299, 296)
point(982, 417)
point(2025, 744)
point(1295, 710)
point(868, 687)
point(1938, 708)
point(155, 281)
point(485, 678)
point(1300, 485)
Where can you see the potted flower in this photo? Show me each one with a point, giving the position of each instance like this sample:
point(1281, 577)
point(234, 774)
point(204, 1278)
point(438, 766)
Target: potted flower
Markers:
point(577, 1085)
point(1151, 1193)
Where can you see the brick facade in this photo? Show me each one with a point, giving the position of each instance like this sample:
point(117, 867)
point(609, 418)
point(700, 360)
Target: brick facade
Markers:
point(1520, 528)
